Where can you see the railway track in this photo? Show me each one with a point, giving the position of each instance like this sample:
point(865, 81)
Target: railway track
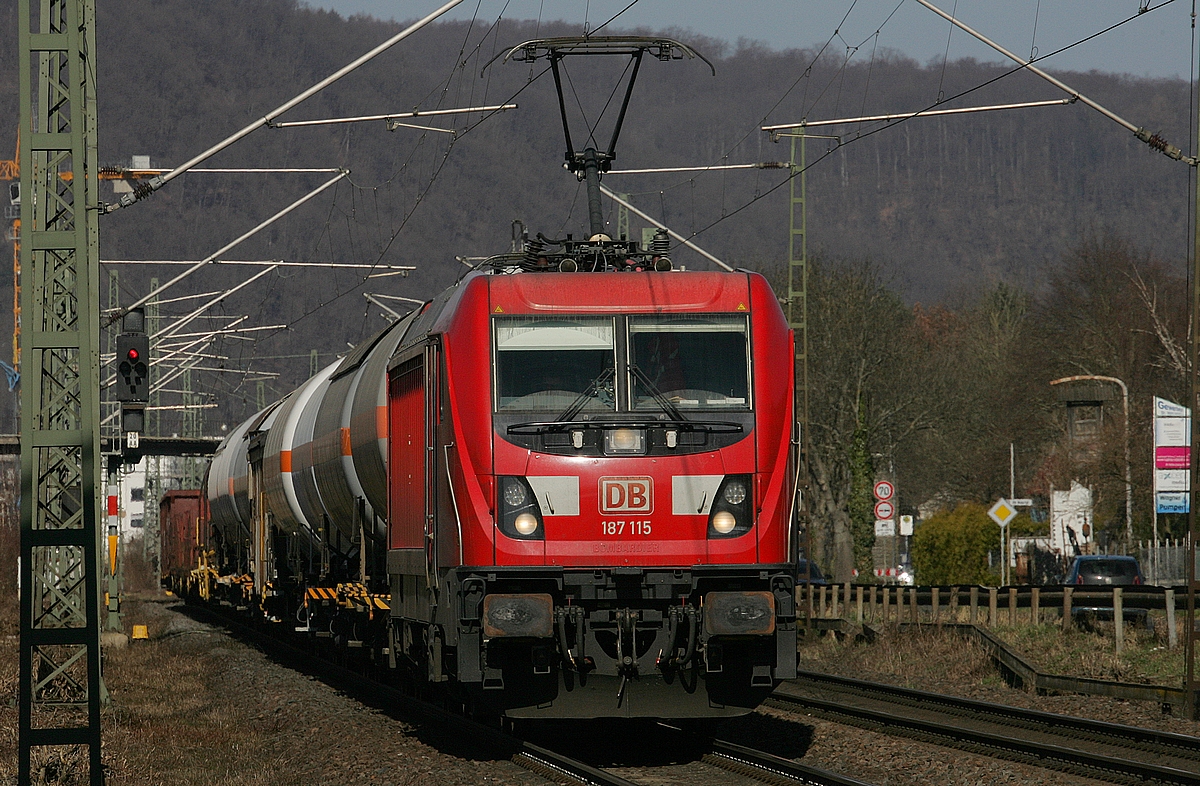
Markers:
point(709, 761)
point(1090, 748)
point(738, 758)
point(644, 752)
point(717, 764)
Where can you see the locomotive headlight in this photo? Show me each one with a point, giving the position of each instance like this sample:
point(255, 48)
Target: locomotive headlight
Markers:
point(625, 439)
point(724, 522)
point(735, 492)
point(526, 524)
point(518, 514)
point(732, 513)
point(514, 493)
point(629, 441)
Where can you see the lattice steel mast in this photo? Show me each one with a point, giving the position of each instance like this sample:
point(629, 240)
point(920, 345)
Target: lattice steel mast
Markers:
point(60, 688)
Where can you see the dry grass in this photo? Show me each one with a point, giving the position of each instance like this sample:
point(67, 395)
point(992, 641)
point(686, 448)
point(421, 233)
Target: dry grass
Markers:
point(199, 736)
point(204, 739)
point(138, 573)
point(10, 543)
point(172, 718)
point(1090, 652)
point(1078, 652)
point(916, 660)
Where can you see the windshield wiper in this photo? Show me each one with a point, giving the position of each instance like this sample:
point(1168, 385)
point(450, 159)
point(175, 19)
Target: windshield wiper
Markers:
point(577, 405)
point(662, 400)
point(622, 420)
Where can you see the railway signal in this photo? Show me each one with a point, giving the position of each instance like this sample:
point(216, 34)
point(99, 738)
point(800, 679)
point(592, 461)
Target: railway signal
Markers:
point(132, 386)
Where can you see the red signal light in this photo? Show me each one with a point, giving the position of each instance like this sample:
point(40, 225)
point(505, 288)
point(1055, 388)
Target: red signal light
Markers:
point(133, 354)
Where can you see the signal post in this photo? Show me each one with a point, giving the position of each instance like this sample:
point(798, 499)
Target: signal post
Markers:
point(132, 389)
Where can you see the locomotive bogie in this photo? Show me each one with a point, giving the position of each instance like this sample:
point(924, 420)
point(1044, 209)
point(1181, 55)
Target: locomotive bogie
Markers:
point(618, 642)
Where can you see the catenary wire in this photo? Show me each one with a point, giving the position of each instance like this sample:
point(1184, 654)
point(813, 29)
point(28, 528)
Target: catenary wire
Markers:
point(840, 144)
point(613, 18)
point(420, 198)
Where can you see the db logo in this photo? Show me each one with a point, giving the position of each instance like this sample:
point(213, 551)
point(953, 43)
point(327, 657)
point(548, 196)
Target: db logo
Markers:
point(626, 495)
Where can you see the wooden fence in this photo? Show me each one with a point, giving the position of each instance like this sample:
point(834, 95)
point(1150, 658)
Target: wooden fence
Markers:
point(992, 606)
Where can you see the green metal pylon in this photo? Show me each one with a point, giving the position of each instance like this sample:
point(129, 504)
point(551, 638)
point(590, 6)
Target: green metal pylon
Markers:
point(151, 533)
point(797, 313)
point(60, 689)
point(623, 219)
point(193, 426)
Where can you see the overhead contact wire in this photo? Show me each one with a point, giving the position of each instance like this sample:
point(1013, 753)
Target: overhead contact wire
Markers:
point(420, 198)
point(889, 125)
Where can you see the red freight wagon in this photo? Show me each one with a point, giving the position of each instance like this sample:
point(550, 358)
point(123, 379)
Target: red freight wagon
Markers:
point(179, 515)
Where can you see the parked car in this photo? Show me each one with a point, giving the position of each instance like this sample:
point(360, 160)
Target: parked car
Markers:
point(808, 572)
point(1106, 571)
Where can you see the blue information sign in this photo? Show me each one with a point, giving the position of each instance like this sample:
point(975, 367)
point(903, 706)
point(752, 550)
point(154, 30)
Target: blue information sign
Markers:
point(1173, 501)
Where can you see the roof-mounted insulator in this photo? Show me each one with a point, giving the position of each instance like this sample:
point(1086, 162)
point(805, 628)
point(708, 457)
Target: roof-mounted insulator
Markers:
point(533, 253)
point(661, 243)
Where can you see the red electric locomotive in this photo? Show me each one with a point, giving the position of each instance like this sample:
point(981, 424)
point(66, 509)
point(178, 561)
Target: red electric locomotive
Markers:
point(563, 488)
point(590, 491)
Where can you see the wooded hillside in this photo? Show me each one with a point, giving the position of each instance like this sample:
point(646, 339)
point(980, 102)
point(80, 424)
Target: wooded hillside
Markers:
point(975, 212)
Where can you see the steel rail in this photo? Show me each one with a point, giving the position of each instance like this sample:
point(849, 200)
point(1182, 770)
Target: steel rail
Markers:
point(1152, 740)
point(775, 765)
point(538, 760)
point(951, 732)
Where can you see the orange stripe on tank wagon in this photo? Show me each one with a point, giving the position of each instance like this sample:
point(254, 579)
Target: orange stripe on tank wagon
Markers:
point(381, 422)
point(346, 449)
point(285, 461)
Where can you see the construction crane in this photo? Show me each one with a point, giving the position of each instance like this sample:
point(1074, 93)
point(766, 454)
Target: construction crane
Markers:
point(11, 172)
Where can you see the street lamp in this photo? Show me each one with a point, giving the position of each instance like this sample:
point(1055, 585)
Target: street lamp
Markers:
point(1128, 476)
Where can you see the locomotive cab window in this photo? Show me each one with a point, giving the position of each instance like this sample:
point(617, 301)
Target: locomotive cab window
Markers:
point(550, 364)
point(694, 362)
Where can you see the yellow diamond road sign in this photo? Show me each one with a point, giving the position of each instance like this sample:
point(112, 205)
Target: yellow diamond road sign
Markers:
point(1002, 512)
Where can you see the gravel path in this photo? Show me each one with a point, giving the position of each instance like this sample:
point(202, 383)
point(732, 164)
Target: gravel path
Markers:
point(194, 706)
